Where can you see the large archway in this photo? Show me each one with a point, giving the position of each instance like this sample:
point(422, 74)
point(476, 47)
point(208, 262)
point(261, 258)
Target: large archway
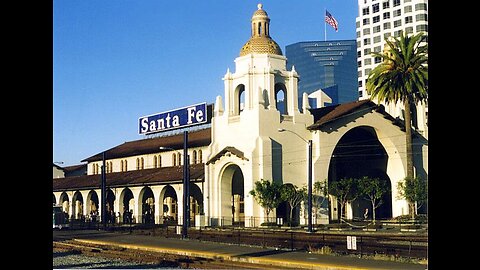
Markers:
point(169, 209)
point(92, 205)
point(65, 202)
point(196, 202)
point(232, 196)
point(127, 205)
point(77, 211)
point(110, 200)
point(359, 153)
point(147, 201)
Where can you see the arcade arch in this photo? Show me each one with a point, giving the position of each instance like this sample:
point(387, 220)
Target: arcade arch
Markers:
point(232, 190)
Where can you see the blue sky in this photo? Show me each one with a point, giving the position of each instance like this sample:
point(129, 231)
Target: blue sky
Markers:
point(117, 60)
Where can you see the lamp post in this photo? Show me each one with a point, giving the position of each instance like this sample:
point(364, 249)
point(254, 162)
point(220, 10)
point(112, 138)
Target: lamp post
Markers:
point(309, 185)
point(186, 187)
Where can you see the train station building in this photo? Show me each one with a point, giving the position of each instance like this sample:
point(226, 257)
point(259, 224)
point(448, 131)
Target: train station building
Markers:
point(256, 130)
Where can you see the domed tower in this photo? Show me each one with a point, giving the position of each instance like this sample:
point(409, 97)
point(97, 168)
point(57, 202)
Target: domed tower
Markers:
point(260, 41)
point(261, 97)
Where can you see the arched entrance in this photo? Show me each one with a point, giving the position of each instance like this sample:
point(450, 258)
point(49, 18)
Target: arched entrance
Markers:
point(65, 201)
point(148, 205)
point(169, 211)
point(127, 204)
point(359, 153)
point(92, 205)
point(77, 212)
point(232, 196)
point(196, 202)
point(110, 200)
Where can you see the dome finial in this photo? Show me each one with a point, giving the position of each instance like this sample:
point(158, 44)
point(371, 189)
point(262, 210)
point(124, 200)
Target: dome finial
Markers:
point(259, 6)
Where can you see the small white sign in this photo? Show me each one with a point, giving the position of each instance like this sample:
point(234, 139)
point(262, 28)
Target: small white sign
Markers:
point(352, 242)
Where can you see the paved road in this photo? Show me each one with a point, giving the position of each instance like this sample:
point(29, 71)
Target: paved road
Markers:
point(232, 252)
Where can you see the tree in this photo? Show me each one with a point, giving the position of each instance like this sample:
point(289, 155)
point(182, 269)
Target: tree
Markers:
point(402, 77)
point(320, 193)
point(293, 196)
point(373, 189)
point(414, 190)
point(345, 190)
point(267, 194)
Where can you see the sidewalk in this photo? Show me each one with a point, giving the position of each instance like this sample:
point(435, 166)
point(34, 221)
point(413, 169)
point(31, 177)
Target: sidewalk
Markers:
point(195, 248)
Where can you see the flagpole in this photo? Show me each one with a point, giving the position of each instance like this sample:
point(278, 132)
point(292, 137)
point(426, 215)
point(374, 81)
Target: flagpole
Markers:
point(325, 24)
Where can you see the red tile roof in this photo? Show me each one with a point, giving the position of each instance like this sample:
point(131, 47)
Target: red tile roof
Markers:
point(151, 145)
point(328, 114)
point(164, 175)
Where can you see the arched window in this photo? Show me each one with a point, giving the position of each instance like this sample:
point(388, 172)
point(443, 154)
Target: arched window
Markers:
point(138, 164)
point(281, 98)
point(126, 167)
point(159, 161)
point(179, 158)
point(174, 158)
point(199, 156)
point(142, 163)
point(121, 166)
point(155, 161)
point(194, 161)
point(111, 166)
point(259, 28)
point(238, 99)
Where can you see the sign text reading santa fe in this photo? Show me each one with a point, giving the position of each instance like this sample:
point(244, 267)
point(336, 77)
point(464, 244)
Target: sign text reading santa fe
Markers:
point(178, 118)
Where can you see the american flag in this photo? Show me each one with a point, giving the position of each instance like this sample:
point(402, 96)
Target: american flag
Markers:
point(331, 20)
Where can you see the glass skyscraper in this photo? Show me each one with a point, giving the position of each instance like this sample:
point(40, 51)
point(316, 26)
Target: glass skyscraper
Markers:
point(327, 65)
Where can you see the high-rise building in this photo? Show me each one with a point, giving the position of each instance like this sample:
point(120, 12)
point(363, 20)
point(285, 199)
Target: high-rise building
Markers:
point(326, 65)
point(377, 20)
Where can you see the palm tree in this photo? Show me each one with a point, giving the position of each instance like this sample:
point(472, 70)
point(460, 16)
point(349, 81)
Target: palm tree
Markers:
point(402, 77)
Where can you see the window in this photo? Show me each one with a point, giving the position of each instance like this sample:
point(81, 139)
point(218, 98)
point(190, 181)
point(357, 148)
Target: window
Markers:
point(396, 3)
point(359, 43)
point(199, 156)
point(376, 29)
point(397, 33)
point(386, 25)
point(386, 35)
point(368, 61)
point(407, 9)
point(386, 15)
point(422, 28)
point(407, 1)
point(360, 93)
point(377, 39)
point(174, 159)
point(357, 24)
point(397, 23)
point(142, 163)
point(421, 17)
point(155, 161)
point(125, 164)
point(397, 13)
point(378, 60)
point(376, 19)
point(376, 8)
point(367, 71)
point(194, 157)
point(138, 164)
point(359, 54)
point(360, 83)
point(359, 73)
point(366, 41)
point(367, 51)
point(421, 6)
point(359, 63)
point(179, 159)
point(159, 161)
point(121, 165)
point(366, 31)
point(386, 4)
point(366, 21)
point(358, 34)
point(409, 30)
point(408, 19)
point(111, 166)
point(377, 49)
point(366, 11)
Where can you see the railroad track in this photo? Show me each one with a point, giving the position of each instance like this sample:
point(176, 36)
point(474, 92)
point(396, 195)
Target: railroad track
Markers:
point(155, 258)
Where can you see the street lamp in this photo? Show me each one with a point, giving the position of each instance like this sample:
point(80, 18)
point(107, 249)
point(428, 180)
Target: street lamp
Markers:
point(309, 209)
point(186, 187)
